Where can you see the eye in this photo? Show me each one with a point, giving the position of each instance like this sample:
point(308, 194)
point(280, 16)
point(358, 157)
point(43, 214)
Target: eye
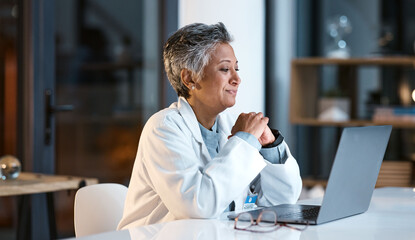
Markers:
point(237, 69)
point(224, 69)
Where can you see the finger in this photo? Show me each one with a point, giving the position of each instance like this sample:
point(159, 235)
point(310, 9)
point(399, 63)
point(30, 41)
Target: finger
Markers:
point(245, 115)
point(260, 115)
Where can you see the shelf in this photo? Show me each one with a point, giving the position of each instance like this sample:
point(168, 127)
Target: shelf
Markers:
point(311, 182)
point(308, 81)
point(351, 123)
point(401, 61)
point(392, 173)
point(305, 88)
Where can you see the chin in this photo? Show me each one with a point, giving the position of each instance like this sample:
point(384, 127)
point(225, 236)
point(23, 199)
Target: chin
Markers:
point(227, 103)
point(231, 104)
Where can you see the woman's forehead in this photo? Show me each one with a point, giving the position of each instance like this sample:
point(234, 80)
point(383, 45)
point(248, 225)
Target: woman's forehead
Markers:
point(223, 53)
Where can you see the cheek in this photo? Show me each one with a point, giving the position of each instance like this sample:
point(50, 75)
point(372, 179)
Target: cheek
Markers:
point(215, 86)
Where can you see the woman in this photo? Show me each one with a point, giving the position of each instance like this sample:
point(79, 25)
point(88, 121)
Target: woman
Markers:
point(194, 160)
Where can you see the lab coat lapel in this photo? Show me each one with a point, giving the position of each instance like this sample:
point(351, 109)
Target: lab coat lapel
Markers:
point(225, 124)
point(190, 119)
point(223, 130)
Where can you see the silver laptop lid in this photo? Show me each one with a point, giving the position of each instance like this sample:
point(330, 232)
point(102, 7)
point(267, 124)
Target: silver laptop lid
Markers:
point(354, 172)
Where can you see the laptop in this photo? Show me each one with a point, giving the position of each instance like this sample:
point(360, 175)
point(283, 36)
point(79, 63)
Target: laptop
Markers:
point(351, 182)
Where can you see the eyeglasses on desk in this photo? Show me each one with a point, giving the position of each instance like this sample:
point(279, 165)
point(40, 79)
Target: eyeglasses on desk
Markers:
point(266, 222)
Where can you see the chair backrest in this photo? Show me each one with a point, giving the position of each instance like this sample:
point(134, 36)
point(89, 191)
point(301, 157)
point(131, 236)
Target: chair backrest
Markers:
point(98, 208)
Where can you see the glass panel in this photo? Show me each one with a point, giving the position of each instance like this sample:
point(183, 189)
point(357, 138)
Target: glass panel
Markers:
point(108, 69)
point(8, 103)
point(8, 77)
point(108, 59)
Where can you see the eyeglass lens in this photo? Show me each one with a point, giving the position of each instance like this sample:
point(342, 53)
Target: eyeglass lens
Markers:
point(244, 221)
point(267, 219)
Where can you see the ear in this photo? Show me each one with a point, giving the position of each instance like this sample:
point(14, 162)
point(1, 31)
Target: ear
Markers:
point(186, 77)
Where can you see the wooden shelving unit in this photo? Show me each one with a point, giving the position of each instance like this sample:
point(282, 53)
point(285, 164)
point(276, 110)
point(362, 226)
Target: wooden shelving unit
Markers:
point(305, 94)
point(399, 61)
point(305, 82)
point(351, 123)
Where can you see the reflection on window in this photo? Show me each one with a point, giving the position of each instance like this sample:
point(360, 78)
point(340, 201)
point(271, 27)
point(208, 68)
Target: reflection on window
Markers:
point(108, 58)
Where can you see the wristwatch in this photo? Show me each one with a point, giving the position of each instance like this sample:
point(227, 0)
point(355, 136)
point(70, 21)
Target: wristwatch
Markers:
point(278, 139)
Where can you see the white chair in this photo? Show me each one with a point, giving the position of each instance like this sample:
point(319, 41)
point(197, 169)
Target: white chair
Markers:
point(98, 208)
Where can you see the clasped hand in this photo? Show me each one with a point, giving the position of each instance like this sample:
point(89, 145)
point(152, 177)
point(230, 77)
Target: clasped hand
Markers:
point(255, 124)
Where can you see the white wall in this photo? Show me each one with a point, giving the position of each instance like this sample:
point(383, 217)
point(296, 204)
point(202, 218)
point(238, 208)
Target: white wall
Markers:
point(245, 20)
point(284, 51)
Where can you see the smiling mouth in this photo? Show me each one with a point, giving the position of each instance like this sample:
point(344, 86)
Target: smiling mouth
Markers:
point(233, 92)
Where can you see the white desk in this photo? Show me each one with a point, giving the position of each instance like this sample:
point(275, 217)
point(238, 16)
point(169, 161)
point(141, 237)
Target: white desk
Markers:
point(391, 215)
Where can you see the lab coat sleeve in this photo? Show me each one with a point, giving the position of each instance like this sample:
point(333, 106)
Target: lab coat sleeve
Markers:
point(188, 188)
point(279, 183)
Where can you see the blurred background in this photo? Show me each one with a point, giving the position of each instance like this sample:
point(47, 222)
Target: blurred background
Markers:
point(98, 64)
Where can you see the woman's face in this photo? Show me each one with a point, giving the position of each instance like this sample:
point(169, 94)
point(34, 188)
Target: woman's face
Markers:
point(217, 90)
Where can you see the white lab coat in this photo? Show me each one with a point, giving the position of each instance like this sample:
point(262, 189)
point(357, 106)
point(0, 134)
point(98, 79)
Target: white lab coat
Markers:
point(174, 176)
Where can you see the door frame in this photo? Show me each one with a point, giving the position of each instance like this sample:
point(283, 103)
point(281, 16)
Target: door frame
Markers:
point(36, 65)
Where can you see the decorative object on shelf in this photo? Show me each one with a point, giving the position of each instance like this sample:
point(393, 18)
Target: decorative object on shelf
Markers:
point(10, 167)
point(334, 106)
point(385, 40)
point(394, 114)
point(338, 27)
point(334, 109)
point(404, 92)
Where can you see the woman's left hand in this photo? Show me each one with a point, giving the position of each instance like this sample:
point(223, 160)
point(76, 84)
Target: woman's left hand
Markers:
point(267, 137)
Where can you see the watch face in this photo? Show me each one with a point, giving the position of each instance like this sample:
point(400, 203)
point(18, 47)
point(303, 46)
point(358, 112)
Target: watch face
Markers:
point(279, 137)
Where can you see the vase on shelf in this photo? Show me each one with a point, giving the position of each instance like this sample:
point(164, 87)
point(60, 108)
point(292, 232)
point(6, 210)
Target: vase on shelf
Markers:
point(337, 28)
point(334, 109)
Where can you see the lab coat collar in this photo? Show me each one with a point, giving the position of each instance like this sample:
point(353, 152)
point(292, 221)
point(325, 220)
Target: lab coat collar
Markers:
point(191, 121)
point(189, 118)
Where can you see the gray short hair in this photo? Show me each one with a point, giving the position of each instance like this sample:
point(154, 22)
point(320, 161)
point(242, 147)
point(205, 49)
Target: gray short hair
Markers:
point(190, 48)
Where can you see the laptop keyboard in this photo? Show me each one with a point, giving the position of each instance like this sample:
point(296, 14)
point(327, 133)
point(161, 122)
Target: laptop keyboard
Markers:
point(307, 213)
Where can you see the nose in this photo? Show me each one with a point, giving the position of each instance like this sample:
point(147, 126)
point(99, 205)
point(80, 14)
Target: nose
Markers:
point(235, 79)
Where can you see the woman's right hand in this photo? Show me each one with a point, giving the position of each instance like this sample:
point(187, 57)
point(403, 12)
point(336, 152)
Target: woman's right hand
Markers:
point(253, 123)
